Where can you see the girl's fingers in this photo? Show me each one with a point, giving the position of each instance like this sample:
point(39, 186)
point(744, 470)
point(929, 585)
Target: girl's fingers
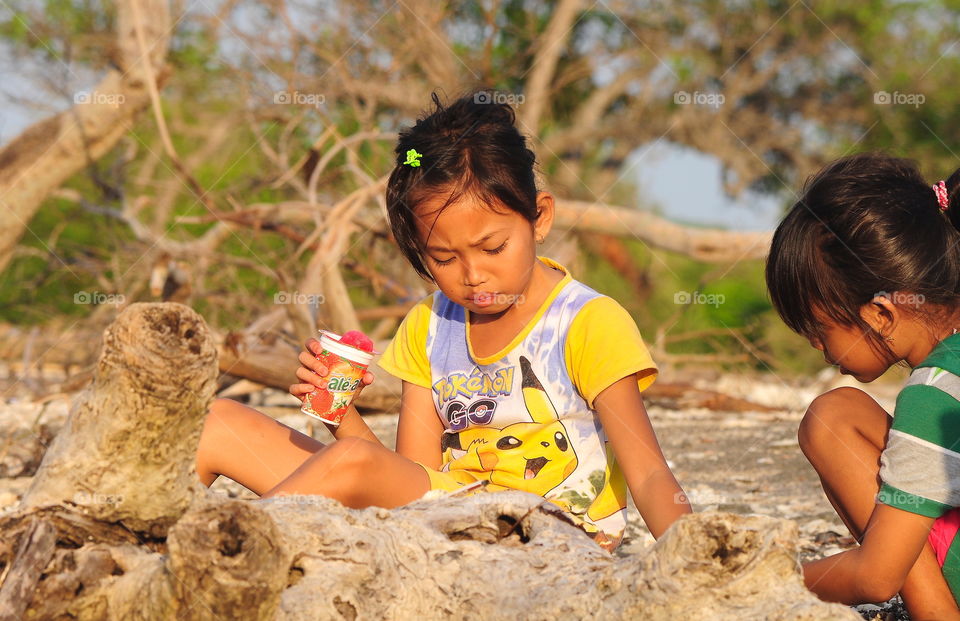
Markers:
point(368, 378)
point(313, 345)
point(299, 390)
point(312, 363)
point(311, 378)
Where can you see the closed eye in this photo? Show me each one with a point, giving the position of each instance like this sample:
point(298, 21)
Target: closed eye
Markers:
point(442, 262)
point(498, 249)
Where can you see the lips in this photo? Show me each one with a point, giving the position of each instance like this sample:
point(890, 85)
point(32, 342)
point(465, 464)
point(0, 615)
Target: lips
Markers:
point(534, 466)
point(484, 299)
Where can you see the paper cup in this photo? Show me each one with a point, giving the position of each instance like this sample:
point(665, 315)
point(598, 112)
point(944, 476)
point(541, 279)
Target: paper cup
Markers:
point(346, 365)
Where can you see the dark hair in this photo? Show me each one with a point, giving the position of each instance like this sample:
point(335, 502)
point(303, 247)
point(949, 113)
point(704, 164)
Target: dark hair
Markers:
point(470, 147)
point(864, 225)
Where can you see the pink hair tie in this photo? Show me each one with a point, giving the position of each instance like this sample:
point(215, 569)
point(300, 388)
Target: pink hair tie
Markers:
point(940, 189)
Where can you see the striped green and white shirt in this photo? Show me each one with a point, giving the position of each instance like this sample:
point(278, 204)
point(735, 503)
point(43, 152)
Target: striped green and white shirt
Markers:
point(920, 466)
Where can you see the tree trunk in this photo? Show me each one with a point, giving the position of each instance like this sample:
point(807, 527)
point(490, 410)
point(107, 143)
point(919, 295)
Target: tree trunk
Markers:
point(50, 151)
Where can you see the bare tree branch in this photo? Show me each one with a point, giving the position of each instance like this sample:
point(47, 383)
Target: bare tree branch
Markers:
point(51, 151)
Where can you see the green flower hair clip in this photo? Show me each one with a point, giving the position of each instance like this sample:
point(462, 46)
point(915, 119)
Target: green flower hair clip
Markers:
point(413, 158)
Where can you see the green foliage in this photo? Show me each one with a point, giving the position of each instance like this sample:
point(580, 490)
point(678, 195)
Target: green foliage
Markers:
point(730, 305)
point(897, 46)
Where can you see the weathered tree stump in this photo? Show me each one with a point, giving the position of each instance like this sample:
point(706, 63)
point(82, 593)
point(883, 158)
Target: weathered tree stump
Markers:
point(117, 526)
point(127, 451)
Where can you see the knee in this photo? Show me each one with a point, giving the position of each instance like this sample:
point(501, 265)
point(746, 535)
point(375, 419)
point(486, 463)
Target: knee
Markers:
point(829, 416)
point(225, 420)
point(347, 464)
point(351, 457)
point(211, 439)
point(218, 416)
point(220, 410)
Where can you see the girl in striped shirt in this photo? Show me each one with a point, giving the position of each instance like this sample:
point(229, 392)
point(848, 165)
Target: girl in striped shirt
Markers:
point(866, 265)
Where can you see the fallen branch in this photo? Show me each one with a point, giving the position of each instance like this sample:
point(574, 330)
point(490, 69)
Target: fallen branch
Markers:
point(711, 245)
point(52, 150)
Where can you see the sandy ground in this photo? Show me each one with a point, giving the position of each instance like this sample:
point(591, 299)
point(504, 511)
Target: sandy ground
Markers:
point(744, 462)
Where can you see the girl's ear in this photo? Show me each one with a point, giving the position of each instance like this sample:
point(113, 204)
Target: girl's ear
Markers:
point(881, 314)
point(545, 212)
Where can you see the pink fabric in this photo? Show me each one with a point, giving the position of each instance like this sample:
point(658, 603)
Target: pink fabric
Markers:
point(943, 532)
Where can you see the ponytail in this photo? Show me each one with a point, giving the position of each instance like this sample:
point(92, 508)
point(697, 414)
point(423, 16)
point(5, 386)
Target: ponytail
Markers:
point(953, 199)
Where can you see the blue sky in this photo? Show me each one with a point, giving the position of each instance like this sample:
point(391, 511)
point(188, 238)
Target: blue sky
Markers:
point(685, 185)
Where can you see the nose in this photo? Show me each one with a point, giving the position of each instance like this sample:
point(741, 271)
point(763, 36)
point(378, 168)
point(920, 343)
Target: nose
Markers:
point(472, 274)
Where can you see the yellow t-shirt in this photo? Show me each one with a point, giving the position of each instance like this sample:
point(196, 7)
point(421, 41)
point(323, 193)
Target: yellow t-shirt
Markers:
point(523, 417)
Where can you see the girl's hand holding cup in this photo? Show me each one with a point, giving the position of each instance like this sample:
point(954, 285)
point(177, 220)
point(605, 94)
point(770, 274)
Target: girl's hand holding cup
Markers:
point(333, 371)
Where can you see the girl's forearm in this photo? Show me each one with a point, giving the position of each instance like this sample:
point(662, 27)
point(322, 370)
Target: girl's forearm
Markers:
point(660, 501)
point(837, 579)
point(352, 425)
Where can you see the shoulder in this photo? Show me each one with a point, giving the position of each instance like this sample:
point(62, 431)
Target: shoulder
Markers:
point(424, 306)
point(601, 311)
point(928, 407)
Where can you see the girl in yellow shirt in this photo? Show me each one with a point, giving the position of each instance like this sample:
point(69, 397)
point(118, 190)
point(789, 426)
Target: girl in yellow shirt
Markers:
point(513, 373)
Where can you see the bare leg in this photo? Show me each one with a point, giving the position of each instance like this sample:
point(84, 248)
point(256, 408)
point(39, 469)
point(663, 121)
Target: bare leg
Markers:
point(842, 434)
point(249, 447)
point(359, 474)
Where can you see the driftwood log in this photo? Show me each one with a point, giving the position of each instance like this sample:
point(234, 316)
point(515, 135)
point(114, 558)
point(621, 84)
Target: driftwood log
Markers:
point(117, 526)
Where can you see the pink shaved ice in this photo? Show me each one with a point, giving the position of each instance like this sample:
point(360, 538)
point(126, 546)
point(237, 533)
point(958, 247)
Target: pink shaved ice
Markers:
point(358, 339)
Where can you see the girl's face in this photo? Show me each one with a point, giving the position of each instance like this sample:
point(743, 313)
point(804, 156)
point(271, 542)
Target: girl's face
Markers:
point(481, 259)
point(848, 348)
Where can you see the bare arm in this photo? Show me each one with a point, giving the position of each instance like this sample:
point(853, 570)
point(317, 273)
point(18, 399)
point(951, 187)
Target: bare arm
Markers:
point(876, 570)
point(419, 428)
point(653, 487)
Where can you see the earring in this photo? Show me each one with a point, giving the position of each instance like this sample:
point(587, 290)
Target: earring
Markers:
point(540, 239)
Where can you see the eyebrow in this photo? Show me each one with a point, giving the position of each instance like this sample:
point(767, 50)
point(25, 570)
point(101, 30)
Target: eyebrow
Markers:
point(474, 244)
